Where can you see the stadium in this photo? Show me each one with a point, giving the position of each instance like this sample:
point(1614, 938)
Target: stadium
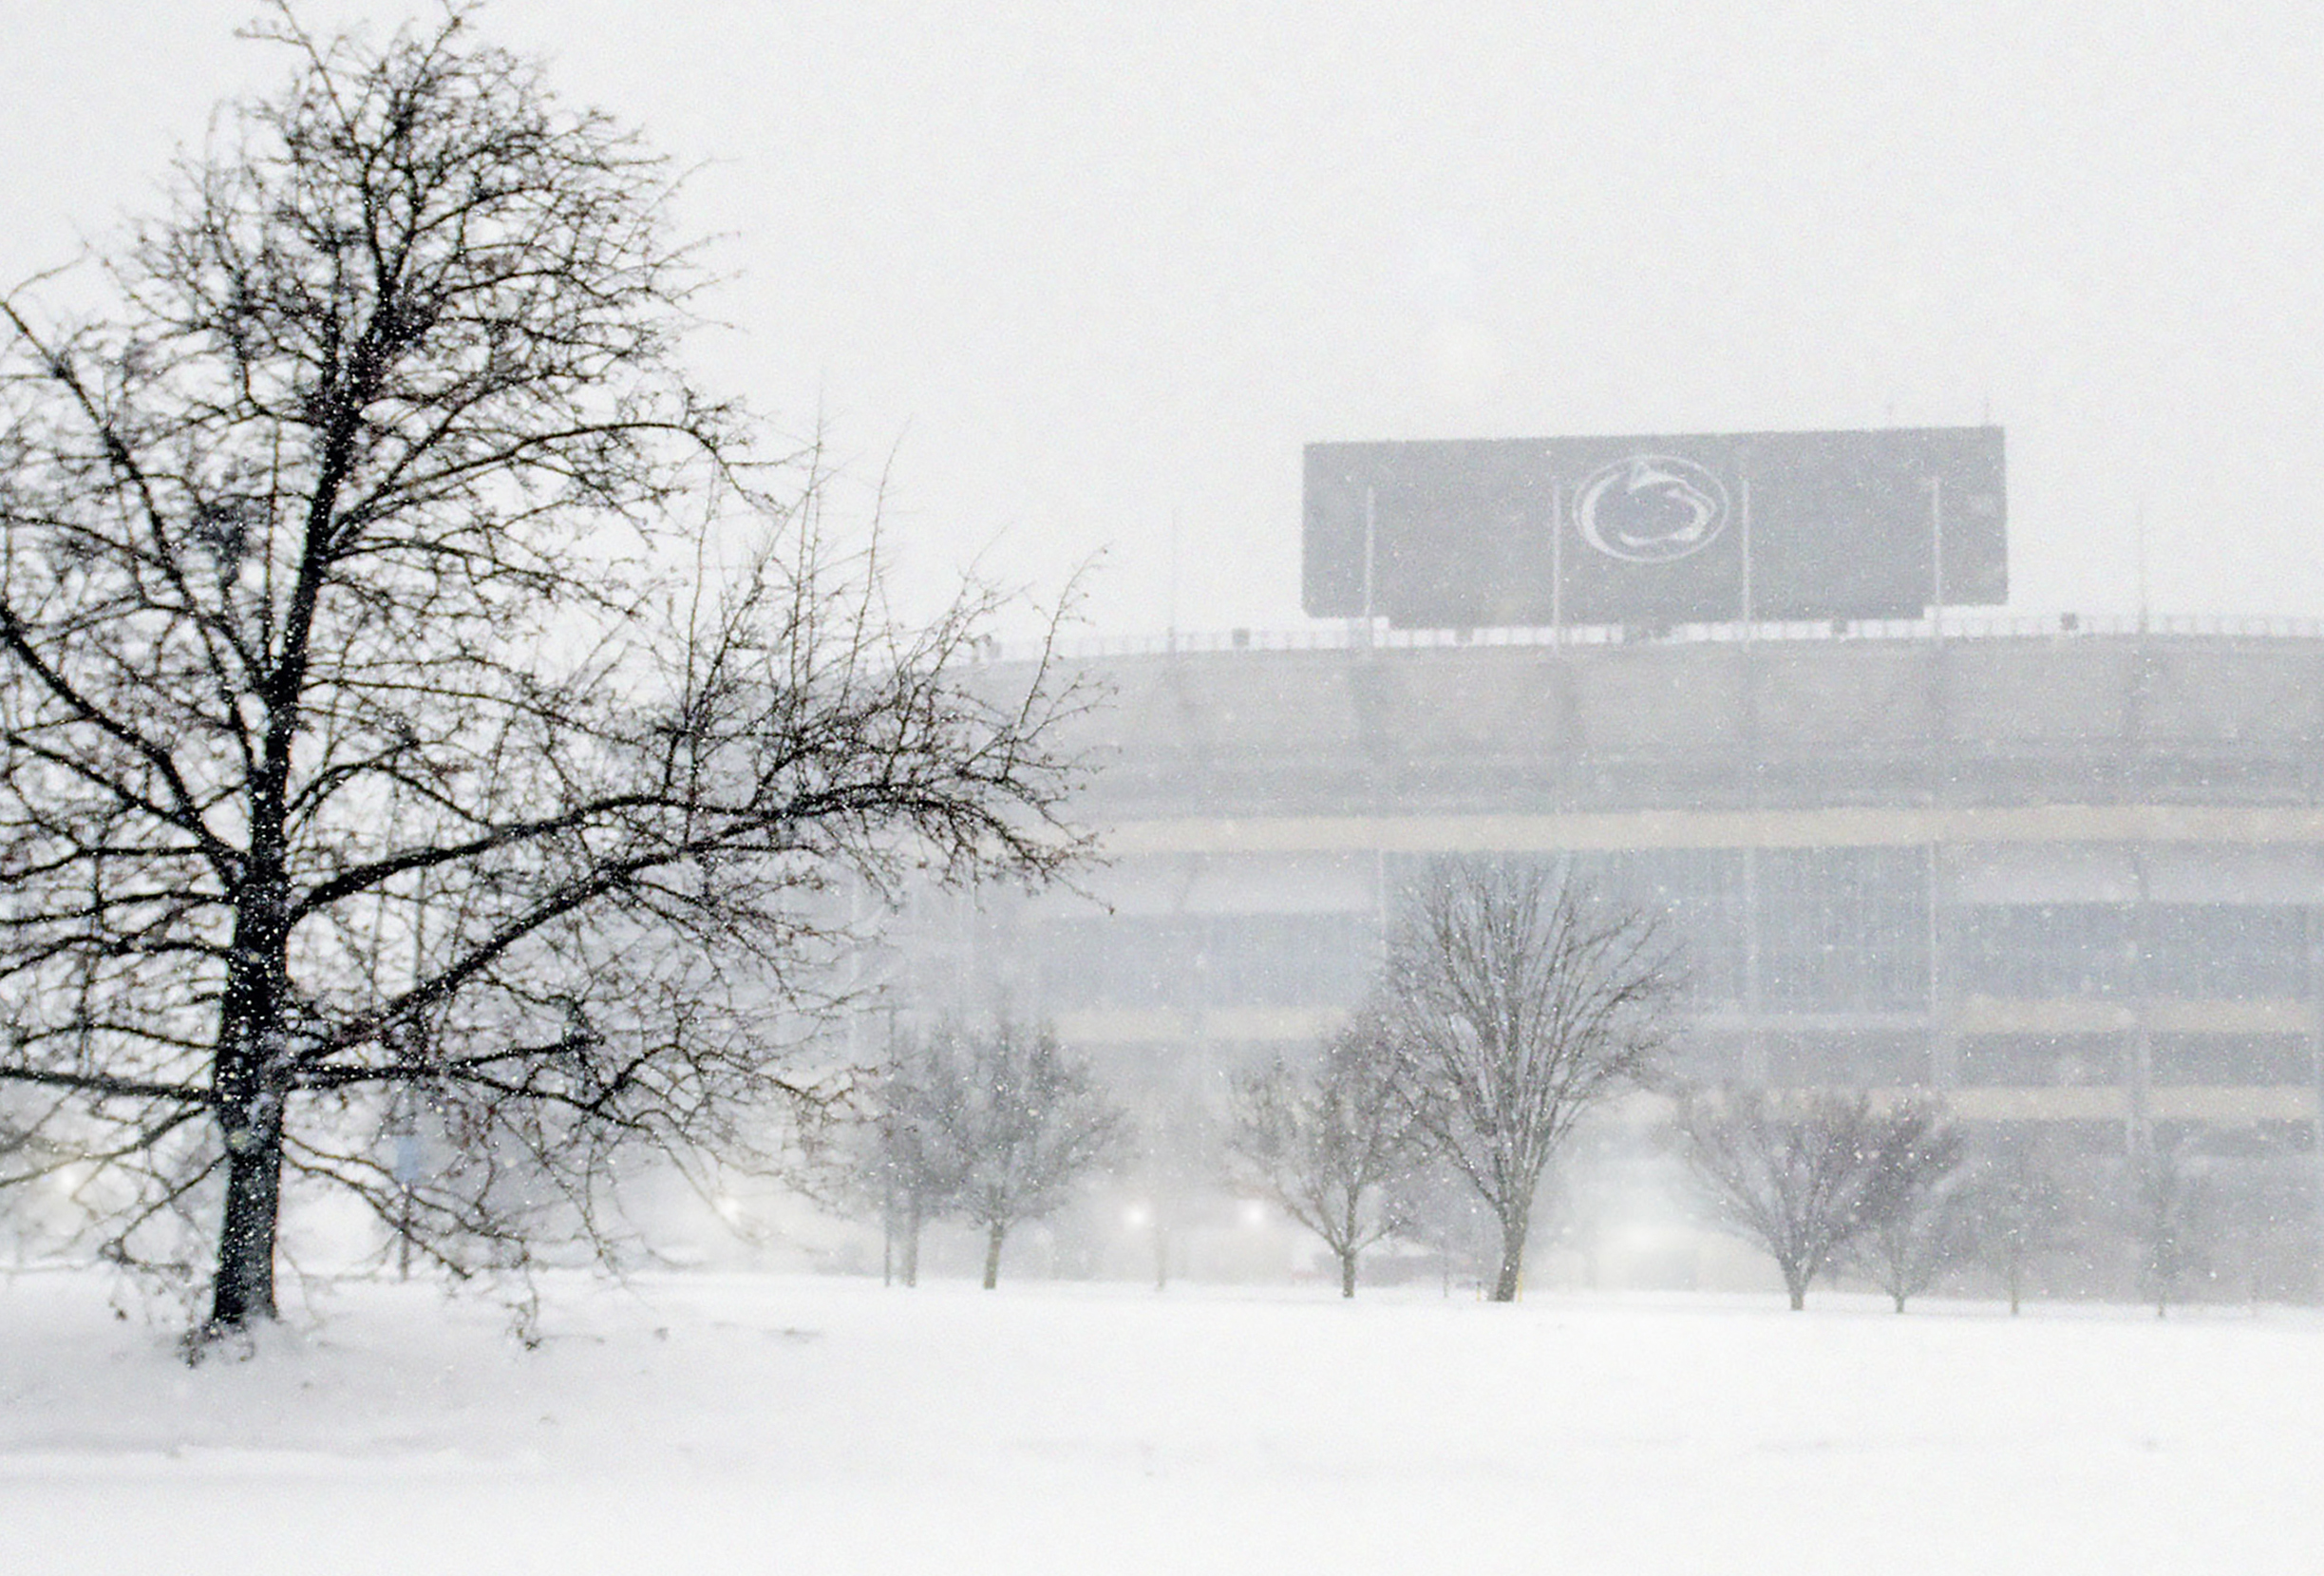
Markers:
point(2066, 874)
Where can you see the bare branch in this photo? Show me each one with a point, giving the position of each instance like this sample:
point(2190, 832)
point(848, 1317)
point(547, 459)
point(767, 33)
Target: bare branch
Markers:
point(385, 762)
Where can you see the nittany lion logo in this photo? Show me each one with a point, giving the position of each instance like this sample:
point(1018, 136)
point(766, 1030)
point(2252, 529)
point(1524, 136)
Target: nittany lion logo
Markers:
point(1650, 508)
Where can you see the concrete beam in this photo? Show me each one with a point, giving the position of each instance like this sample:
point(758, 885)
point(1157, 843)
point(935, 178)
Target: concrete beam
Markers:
point(1853, 826)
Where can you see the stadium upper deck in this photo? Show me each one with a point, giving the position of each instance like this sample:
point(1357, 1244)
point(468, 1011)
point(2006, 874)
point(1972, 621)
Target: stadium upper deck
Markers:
point(2075, 874)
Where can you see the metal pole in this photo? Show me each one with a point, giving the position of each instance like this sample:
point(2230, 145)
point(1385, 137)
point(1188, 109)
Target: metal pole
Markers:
point(1941, 1069)
point(1171, 646)
point(1756, 1040)
point(2141, 547)
point(1557, 567)
point(2316, 1078)
point(2138, 1076)
point(1936, 556)
point(1944, 1070)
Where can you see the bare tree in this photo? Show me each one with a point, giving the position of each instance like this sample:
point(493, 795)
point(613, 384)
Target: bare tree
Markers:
point(414, 683)
point(1027, 1125)
point(1175, 1167)
point(2166, 1210)
point(23, 1159)
point(1797, 1178)
point(1330, 1144)
point(2017, 1213)
point(909, 1164)
point(1517, 1001)
point(1915, 1227)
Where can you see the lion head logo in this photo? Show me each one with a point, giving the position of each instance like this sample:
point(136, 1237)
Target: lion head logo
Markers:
point(1650, 508)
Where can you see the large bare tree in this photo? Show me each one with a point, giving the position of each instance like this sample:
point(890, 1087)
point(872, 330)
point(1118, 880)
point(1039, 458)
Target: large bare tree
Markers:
point(1517, 1000)
point(1330, 1144)
point(428, 722)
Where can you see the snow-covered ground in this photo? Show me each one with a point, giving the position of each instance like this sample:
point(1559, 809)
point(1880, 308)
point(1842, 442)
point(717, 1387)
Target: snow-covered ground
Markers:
point(797, 1424)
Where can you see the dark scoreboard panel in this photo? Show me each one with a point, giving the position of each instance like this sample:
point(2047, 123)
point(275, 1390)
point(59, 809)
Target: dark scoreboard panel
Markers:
point(1658, 529)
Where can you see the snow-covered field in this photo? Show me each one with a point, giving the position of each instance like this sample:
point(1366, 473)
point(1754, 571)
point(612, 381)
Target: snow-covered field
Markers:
point(799, 1424)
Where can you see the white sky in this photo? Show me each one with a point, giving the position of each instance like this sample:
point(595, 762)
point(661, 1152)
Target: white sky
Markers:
point(1086, 268)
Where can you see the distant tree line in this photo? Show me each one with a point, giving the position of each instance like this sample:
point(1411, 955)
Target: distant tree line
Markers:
point(1829, 1183)
point(1512, 1001)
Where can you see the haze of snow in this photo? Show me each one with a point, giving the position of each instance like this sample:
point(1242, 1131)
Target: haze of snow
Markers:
point(1089, 270)
point(810, 1424)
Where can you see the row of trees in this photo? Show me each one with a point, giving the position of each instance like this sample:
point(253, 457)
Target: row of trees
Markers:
point(1822, 1183)
point(1513, 1001)
point(1829, 1182)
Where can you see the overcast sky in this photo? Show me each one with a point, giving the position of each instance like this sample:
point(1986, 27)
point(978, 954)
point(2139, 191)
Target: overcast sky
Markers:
point(1086, 268)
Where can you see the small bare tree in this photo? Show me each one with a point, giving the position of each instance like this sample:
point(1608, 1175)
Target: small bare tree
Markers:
point(1915, 1224)
point(2166, 1210)
point(2018, 1213)
point(1516, 1001)
point(1024, 1123)
point(906, 1160)
point(1175, 1168)
point(1797, 1178)
point(1330, 1144)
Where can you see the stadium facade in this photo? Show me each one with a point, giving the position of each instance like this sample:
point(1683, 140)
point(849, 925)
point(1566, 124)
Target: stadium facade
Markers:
point(2067, 874)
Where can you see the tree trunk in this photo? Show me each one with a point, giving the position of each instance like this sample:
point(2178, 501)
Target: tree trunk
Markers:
point(251, 1078)
point(1795, 1283)
point(244, 1289)
point(250, 1100)
point(1347, 1274)
point(909, 1245)
point(993, 1254)
point(1511, 1278)
point(1900, 1300)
